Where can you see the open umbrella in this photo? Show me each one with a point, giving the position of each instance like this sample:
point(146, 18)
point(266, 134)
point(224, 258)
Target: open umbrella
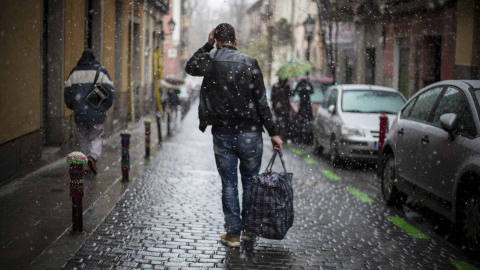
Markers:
point(294, 68)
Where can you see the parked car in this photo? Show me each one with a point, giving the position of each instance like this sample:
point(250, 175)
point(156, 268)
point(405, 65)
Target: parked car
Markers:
point(348, 123)
point(319, 84)
point(432, 153)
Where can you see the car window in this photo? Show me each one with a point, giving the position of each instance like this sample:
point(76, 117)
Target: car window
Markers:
point(332, 100)
point(477, 97)
point(423, 106)
point(406, 111)
point(453, 101)
point(371, 101)
point(294, 84)
point(318, 92)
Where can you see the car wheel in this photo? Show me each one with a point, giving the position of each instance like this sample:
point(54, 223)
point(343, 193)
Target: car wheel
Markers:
point(470, 223)
point(334, 155)
point(390, 194)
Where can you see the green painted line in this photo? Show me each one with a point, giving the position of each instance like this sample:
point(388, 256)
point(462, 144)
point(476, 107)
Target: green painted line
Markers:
point(297, 152)
point(360, 195)
point(331, 175)
point(463, 265)
point(402, 224)
point(310, 161)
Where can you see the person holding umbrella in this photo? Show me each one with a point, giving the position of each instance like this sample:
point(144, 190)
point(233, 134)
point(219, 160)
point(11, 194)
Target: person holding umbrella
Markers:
point(305, 115)
point(292, 69)
point(281, 93)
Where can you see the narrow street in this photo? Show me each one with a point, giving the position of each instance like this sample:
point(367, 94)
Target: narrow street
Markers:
point(171, 218)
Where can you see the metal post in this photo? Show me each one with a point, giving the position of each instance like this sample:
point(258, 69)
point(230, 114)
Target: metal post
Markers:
point(159, 127)
point(125, 155)
point(309, 44)
point(148, 124)
point(169, 119)
point(76, 161)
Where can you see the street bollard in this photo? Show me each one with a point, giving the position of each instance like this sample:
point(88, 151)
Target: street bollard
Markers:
point(383, 130)
point(125, 155)
point(76, 161)
point(381, 140)
point(148, 124)
point(159, 127)
point(169, 130)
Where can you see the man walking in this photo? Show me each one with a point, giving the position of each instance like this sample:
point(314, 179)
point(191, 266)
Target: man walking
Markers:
point(233, 102)
point(89, 117)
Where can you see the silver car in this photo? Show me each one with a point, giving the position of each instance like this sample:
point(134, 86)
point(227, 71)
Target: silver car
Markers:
point(432, 153)
point(348, 122)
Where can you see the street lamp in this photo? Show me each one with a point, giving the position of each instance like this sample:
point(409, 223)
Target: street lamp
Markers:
point(171, 27)
point(308, 24)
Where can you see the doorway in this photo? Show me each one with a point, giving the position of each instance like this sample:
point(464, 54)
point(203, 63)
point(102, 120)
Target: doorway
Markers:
point(432, 59)
point(403, 65)
point(370, 66)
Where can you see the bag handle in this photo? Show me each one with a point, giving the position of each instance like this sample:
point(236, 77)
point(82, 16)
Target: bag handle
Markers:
point(270, 163)
point(96, 75)
point(272, 160)
point(281, 159)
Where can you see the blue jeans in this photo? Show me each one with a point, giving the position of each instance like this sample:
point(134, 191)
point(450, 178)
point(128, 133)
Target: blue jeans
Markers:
point(248, 148)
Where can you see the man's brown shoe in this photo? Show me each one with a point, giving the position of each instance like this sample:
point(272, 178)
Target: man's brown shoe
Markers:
point(230, 241)
point(91, 165)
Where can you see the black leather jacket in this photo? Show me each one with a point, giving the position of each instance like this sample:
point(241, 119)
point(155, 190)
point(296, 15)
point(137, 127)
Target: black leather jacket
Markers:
point(232, 90)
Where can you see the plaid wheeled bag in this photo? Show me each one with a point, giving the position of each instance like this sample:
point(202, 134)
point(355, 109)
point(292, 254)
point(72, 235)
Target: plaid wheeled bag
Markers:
point(270, 210)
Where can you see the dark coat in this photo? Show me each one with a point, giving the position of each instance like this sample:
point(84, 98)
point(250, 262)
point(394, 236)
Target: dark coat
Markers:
point(79, 84)
point(304, 89)
point(281, 99)
point(232, 90)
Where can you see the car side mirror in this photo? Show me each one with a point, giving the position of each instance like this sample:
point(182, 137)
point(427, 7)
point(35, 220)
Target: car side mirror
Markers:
point(331, 109)
point(449, 122)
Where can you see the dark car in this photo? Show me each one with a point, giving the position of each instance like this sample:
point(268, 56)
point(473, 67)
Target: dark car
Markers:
point(320, 85)
point(432, 153)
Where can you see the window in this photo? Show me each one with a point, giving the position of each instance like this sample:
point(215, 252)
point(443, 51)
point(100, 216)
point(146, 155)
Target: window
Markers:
point(422, 108)
point(406, 111)
point(371, 101)
point(332, 100)
point(453, 101)
point(318, 92)
point(476, 94)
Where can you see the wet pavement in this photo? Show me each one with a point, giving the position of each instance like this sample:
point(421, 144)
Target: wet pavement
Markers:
point(170, 217)
point(36, 210)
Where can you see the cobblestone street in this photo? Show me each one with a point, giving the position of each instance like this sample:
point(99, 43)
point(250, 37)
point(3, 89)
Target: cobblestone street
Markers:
point(171, 218)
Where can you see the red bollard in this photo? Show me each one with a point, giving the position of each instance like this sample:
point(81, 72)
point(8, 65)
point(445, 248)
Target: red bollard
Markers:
point(383, 130)
point(76, 161)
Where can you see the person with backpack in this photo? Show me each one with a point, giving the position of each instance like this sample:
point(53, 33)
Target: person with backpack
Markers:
point(89, 104)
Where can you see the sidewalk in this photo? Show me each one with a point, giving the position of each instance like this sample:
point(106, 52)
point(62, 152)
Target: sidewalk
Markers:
point(36, 209)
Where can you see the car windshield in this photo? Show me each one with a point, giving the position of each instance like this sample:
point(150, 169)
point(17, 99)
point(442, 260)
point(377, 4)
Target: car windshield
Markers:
point(318, 92)
point(371, 101)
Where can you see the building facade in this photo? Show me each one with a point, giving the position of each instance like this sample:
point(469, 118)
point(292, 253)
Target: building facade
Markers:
point(428, 42)
point(41, 41)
